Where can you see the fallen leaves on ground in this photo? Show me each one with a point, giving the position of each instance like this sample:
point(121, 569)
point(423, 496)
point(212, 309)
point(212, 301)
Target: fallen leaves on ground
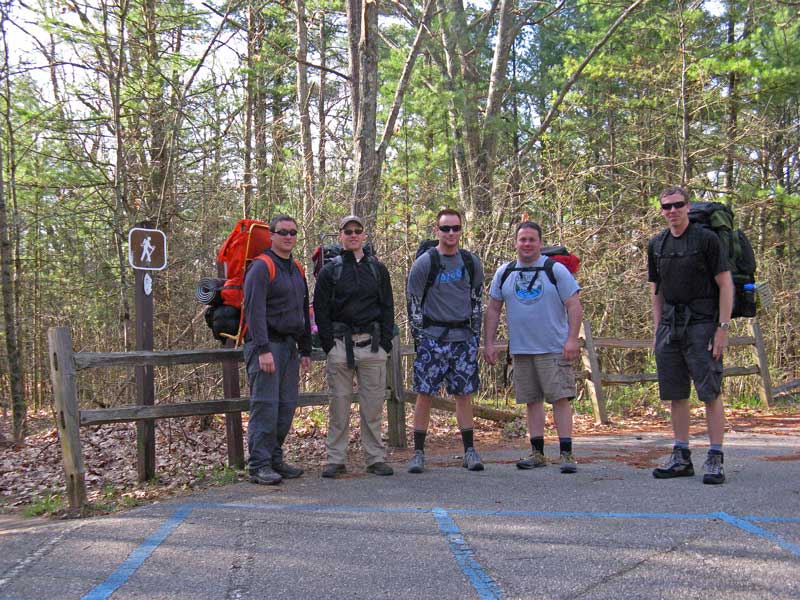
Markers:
point(189, 457)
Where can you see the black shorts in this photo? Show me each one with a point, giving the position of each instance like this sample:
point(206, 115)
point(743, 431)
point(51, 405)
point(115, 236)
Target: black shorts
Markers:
point(689, 357)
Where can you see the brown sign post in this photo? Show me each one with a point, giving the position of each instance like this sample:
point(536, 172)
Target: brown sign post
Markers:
point(147, 251)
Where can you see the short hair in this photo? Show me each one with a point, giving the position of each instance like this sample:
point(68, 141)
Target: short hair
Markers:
point(675, 189)
point(528, 225)
point(275, 220)
point(449, 211)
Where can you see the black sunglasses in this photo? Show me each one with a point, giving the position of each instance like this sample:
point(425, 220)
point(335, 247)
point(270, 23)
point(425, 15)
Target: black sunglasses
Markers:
point(676, 205)
point(449, 228)
point(352, 231)
point(285, 232)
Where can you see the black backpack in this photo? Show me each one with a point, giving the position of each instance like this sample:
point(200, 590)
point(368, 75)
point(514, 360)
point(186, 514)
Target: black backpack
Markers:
point(429, 246)
point(554, 254)
point(738, 251)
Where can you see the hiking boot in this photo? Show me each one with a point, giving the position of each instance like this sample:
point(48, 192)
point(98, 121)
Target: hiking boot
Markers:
point(568, 463)
point(536, 459)
point(417, 462)
point(713, 473)
point(472, 461)
point(287, 471)
point(380, 468)
point(265, 476)
point(333, 471)
point(679, 464)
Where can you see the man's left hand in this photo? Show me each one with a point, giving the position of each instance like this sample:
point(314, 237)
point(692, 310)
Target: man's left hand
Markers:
point(572, 350)
point(720, 343)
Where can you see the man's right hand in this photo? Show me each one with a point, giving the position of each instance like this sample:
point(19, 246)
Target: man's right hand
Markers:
point(266, 363)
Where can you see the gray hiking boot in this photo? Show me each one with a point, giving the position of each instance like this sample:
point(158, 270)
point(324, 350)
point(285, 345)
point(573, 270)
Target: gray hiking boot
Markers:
point(568, 463)
point(536, 459)
point(472, 461)
point(713, 473)
point(417, 462)
point(679, 464)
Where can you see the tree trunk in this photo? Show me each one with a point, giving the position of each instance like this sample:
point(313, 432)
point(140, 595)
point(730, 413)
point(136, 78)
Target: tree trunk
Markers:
point(365, 156)
point(303, 99)
point(15, 375)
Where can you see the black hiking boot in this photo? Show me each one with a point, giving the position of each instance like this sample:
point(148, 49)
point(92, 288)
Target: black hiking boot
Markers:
point(679, 464)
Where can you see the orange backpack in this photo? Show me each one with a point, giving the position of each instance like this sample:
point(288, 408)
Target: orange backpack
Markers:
point(248, 241)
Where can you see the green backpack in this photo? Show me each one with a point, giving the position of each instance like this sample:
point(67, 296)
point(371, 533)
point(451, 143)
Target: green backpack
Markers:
point(719, 218)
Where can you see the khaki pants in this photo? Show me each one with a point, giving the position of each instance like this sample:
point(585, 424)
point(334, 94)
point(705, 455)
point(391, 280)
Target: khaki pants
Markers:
point(370, 373)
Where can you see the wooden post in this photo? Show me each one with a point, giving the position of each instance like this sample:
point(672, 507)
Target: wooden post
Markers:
point(591, 362)
point(233, 420)
point(395, 405)
point(65, 391)
point(231, 389)
point(760, 353)
point(145, 379)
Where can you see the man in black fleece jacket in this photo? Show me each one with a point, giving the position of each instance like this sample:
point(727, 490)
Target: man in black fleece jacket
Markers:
point(354, 310)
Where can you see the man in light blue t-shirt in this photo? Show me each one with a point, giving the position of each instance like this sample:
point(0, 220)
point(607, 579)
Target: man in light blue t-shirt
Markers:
point(544, 317)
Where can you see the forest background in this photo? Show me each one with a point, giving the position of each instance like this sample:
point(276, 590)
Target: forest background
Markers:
point(190, 115)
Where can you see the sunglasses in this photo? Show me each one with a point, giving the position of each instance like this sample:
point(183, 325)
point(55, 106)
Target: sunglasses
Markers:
point(285, 232)
point(352, 231)
point(675, 205)
point(449, 228)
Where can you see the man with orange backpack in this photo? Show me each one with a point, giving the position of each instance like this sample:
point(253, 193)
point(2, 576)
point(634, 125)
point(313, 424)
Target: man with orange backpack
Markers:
point(277, 344)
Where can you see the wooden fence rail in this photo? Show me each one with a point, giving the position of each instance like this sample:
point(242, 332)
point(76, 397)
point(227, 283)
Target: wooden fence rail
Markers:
point(65, 364)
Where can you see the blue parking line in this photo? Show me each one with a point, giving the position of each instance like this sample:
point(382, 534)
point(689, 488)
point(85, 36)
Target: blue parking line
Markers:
point(484, 585)
point(773, 519)
point(137, 557)
point(756, 530)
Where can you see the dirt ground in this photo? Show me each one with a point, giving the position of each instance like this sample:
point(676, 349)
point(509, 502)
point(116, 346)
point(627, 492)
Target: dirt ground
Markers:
point(190, 457)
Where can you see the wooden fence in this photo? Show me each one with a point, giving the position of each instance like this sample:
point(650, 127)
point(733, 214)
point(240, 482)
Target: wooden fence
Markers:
point(65, 364)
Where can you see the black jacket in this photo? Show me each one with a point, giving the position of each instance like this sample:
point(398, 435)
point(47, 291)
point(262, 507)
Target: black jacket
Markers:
point(358, 300)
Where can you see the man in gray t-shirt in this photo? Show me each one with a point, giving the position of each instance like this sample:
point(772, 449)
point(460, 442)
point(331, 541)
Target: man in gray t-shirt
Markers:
point(544, 318)
point(444, 310)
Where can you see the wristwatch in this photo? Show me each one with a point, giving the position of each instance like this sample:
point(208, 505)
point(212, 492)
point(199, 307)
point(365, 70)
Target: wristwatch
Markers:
point(724, 325)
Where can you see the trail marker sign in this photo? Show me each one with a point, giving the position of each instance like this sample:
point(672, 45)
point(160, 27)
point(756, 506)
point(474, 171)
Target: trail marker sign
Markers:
point(147, 249)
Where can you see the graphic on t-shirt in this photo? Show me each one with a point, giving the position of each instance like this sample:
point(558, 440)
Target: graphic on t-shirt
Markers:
point(528, 287)
point(456, 274)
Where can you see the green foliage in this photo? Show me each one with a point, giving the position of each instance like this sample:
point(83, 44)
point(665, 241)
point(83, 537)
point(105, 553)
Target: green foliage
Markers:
point(48, 504)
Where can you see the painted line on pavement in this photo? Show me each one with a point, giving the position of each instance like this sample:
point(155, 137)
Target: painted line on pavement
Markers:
point(136, 558)
point(484, 585)
point(756, 530)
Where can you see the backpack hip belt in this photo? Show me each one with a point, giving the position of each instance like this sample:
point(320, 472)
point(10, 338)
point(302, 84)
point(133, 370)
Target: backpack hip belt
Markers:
point(345, 332)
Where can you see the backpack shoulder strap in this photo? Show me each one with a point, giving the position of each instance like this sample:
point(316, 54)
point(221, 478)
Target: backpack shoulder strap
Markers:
point(549, 265)
point(469, 264)
point(507, 271)
point(270, 264)
point(433, 271)
point(300, 268)
point(373, 263)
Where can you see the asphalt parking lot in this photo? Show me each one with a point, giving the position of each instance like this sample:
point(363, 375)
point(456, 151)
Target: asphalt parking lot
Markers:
point(608, 531)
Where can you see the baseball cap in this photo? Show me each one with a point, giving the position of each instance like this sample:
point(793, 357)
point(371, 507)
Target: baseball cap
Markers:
point(350, 219)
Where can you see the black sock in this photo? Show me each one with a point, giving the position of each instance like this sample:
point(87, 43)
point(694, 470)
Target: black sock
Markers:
point(565, 444)
point(537, 443)
point(419, 440)
point(466, 437)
